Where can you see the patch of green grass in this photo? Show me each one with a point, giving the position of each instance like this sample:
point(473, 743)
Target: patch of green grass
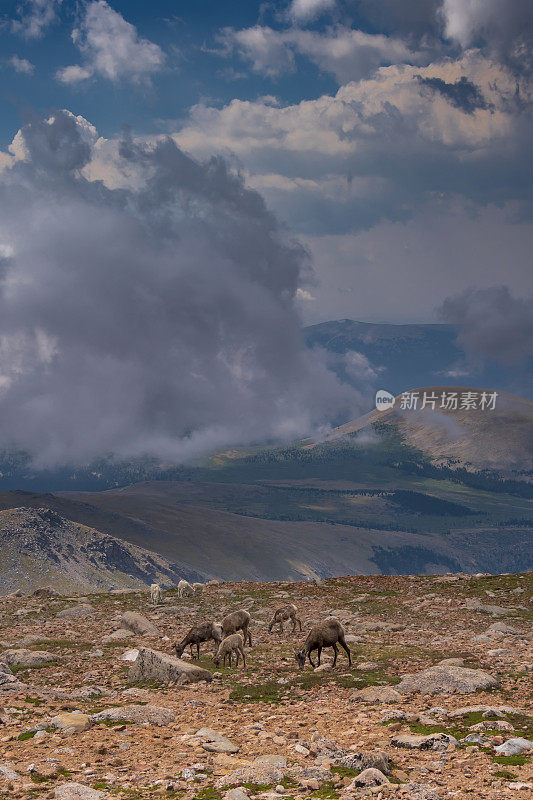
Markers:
point(512, 761)
point(33, 700)
point(24, 668)
point(269, 692)
point(344, 772)
point(326, 791)
point(25, 735)
point(503, 773)
point(257, 787)
point(208, 793)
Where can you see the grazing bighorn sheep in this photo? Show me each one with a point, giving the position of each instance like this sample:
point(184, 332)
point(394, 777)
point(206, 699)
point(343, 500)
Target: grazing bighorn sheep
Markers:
point(185, 589)
point(155, 593)
point(282, 615)
point(197, 634)
point(228, 646)
point(198, 587)
point(237, 621)
point(325, 634)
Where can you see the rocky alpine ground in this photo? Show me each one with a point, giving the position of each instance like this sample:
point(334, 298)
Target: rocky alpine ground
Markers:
point(79, 721)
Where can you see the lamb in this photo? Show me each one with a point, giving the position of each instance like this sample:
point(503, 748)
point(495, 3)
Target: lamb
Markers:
point(155, 593)
point(228, 646)
point(325, 634)
point(197, 634)
point(282, 615)
point(237, 621)
point(185, 589)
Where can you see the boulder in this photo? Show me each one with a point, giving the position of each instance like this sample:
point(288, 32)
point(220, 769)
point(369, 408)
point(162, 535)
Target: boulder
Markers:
point(446, 679)
point(514, 747)
point(377, 694)
point(375, 759)
point(129, 655)
point(80, 611)
point(369, 777)
point(435, 741)
point(237, 794)
point(156, 667)
point(70, 722)
point(8, 681)
point(77, 791)
point(215, 742)
point(46, 591)
point(139, 624)
point(156, 715)
point(28, 658)
point(7, 773)
point(117, 636)
point(258, 772)
point(269, 770)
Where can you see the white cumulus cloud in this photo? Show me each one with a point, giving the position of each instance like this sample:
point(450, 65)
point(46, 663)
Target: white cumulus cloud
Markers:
point(111, 48)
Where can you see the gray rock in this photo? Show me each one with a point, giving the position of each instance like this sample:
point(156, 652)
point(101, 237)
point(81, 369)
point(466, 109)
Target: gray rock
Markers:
point(514, 747)
point(377, 694)
point(492, 725)
point(157, 715)
point(445, 679)
point(154, 666)
point(45, 591)
point(117, 636)
point(376, 759)
point(70, 722)
point(475, 738)
point(369, 777)
point(80, 611)
point(7, 773)
point(269, 770)
point(77, 791)
point(256, 772)
point(461, 712)
point(215, 742)
point(139, 624)
point(28, 658)
point(435, 741)
point(236, 794)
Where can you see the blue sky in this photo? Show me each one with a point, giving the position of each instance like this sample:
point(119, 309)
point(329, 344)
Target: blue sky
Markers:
point(184, 185)
point(392, 137)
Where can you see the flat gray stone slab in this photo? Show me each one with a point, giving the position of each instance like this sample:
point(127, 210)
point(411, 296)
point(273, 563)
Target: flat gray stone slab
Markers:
point(446, 679)
point(157, 667)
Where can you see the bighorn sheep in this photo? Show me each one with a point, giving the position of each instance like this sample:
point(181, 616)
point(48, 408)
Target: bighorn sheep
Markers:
point(198, 587)
point(155, 593)
point(197, 634)
point(282, 615)
point(237, 621)
point(185, 589)
point(228, 646)
point(325, 634)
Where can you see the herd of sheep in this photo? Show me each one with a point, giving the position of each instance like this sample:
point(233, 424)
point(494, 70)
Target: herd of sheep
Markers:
point(232, 634)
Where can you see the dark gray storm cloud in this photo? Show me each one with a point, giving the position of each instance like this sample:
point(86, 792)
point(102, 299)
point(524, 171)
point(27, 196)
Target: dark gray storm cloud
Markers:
point(503, 28)
point(155, 319)
point(492, 324)
point(462, 94)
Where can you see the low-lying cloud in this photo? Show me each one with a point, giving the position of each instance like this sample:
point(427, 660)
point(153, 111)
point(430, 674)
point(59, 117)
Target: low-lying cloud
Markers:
point(155, 318)
point(492, 324)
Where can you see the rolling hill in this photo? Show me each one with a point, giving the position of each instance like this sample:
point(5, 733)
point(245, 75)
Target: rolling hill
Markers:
point(391, 492)
point(39, 547)
point(500, 440)
point(414, 355)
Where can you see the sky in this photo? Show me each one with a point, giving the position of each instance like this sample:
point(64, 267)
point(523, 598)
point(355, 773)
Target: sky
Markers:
point(183, 185)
